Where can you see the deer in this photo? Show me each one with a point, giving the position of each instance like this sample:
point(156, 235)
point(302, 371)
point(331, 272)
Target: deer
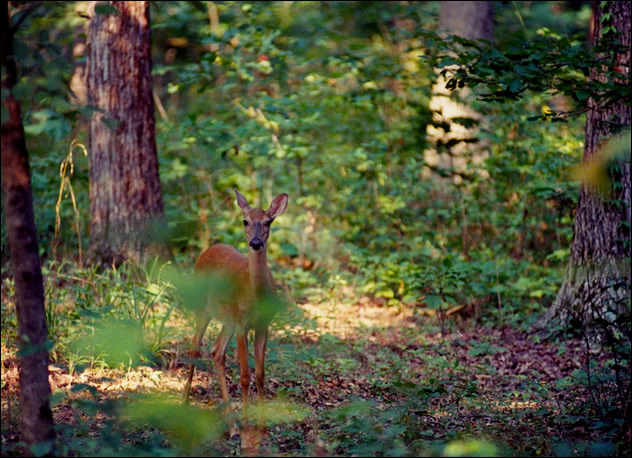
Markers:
point(244, 308)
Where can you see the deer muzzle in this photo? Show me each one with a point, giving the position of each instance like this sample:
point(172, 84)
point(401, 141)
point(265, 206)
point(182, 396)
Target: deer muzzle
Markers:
point(256, 243)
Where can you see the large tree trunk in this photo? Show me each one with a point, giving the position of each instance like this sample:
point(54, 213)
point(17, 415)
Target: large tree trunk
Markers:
point(36, 421)
point(596, 285)
point(125, 192)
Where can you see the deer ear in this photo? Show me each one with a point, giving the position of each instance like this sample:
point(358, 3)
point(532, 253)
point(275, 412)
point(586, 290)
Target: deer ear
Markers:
point(241, 201)
point(277, 207)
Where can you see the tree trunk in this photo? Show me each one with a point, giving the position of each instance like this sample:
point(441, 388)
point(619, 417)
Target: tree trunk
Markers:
point(596, 285)
point(36, 421)
point(125, 193)
point(452, 140)
point(471, 20)
point(455, 144)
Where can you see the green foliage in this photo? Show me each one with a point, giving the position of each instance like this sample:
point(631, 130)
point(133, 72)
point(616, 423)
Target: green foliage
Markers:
point(363, 429)
point(187, 426)
point(115, 317)
point(278, 84)
point(471, 447)
point(549, 63)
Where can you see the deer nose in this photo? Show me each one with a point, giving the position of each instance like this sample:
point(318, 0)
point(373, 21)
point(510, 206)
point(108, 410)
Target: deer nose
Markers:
point(256, 244)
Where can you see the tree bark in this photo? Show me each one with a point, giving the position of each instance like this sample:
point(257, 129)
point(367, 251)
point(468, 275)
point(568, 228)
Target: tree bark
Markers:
point(36, 421)
point(452, 140)
point(471, 20)
point(596, 284)
point(125, 192)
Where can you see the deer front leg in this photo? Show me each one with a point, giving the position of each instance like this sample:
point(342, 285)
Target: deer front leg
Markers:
point(242, 353)
point(261, 338)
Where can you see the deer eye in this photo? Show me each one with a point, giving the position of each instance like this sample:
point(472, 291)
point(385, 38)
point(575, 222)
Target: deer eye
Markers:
point(245, 223)
point(268, 223)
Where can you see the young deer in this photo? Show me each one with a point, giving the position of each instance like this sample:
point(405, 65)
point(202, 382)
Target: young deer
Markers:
point(245, 308)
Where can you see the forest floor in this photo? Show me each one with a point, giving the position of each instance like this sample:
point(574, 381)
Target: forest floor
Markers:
point(365, 379)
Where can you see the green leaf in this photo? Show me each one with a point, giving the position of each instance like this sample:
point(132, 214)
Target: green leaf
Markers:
point(434, 301)
point(57, 398)
point(105, 9)
point(447, 61)
point(85, 387)
point(289, 249)
point(515, 85)
point(470, 447)
point(187, 425)
point(28, 349)
point(41, 448)
point(111, 123)
point(386, 292)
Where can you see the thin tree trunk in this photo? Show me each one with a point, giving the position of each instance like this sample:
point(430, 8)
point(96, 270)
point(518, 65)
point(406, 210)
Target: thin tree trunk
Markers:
point(125, 192)
point(471, 20)
point(455, 144)
point(452, 140)
point(36, 421)
point(596, 285)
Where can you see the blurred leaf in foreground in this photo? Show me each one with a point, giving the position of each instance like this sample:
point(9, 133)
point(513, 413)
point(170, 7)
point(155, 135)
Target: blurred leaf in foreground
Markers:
point(471, 447)
point(187, 425)
point(594, 172)
point(278, 411)
point(116, 341)
point(200, 289)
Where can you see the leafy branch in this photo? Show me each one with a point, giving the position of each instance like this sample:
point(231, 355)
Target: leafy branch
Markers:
point(550, 63)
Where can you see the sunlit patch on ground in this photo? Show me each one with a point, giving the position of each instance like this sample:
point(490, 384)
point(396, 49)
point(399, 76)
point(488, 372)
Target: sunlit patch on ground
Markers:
point(363, 318)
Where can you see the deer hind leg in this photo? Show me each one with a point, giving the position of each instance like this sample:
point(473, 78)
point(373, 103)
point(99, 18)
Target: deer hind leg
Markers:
point(201, 323)
point(242, 353)
point(261, 338)
point(218, 353)
point(249, 439)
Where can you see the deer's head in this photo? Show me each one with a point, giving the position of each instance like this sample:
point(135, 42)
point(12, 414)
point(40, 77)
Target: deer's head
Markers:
point(257, 222)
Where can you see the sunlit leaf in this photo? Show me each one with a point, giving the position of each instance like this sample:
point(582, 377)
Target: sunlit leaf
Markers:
point(472, 447)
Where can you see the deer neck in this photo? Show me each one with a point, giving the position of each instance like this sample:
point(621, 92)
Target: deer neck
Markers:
point(258, 270)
